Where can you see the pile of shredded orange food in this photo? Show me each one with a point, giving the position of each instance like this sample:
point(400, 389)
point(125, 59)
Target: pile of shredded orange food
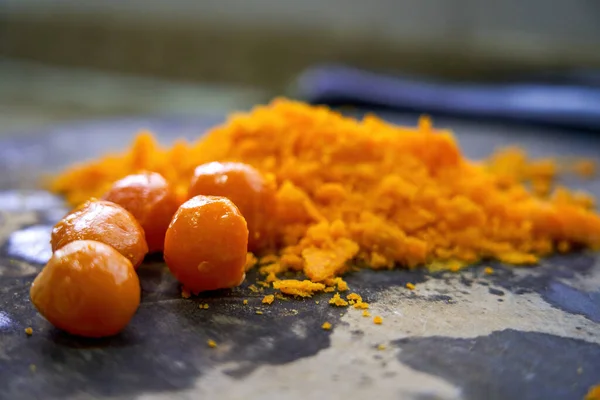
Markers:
point(370, 194)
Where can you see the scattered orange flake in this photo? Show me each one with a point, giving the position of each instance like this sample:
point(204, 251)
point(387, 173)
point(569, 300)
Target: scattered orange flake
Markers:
point(563, 247)
point(377, 320)
point(410, 286)
point(271, 277)
point(341, 284)
point(211, 343)
point(205, 306)
point(381, 346)
point(585, 168)
point(258, 312)
point(295, 287)
point(354, 296)
point(263, 284)
point(326, 326)
point(29, 331)
point(593, 393)
point(488, 270)
point(268, 299)
point(316, 301)
point(268, 259)
point(365, 313)
point(361, 305)
point(253, 288)
point(336, 300)
point(251, 261)
point(185, 293)
point(245, 302)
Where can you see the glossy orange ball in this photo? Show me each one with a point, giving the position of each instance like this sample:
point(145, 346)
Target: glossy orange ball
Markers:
point(248, 189)
point(88, 289)
point(151, 200)
point(206, 244)
point(104, 222)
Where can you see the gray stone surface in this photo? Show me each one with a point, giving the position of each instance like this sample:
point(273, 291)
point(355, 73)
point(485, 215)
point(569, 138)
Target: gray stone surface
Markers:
point(521, 333)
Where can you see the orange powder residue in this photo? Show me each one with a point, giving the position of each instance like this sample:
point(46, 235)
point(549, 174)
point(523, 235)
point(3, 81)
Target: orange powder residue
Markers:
point(368, 193)
point(268, 299)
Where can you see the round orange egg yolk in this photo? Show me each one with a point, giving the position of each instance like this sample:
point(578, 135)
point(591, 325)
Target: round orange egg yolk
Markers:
point(105, 222)
point(151, 200)
point(206, 244)
point(87, 289)
point(248, 189)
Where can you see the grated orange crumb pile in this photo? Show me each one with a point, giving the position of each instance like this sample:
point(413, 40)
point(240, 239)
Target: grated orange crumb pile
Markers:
point(370, 194)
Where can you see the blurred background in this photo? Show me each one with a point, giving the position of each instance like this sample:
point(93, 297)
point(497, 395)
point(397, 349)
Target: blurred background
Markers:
point(72, 60)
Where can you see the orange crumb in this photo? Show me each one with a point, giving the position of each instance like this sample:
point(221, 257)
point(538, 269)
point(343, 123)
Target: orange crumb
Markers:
point(326, 326)
point(336, 300)
point(245, 302)
point(205, 306)
point(381, 346)
point(268, 259)
point(185, 293)
point(29, 331)
point(316, 301)
point(253, 288)
point(377, 320)
point(410, 286)
point(488, 270)
point(295, 287)
point(354, 296)
point(339, 182)
point(563, 247)
point(365, 313)
point(268, 299)
point(361, 305)
point(251, 261)
point(258, 312)
point(593, 393)
point(211, 343)
point(585, 168)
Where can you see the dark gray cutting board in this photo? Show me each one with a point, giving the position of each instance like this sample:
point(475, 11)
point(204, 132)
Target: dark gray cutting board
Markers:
point(529, 333)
